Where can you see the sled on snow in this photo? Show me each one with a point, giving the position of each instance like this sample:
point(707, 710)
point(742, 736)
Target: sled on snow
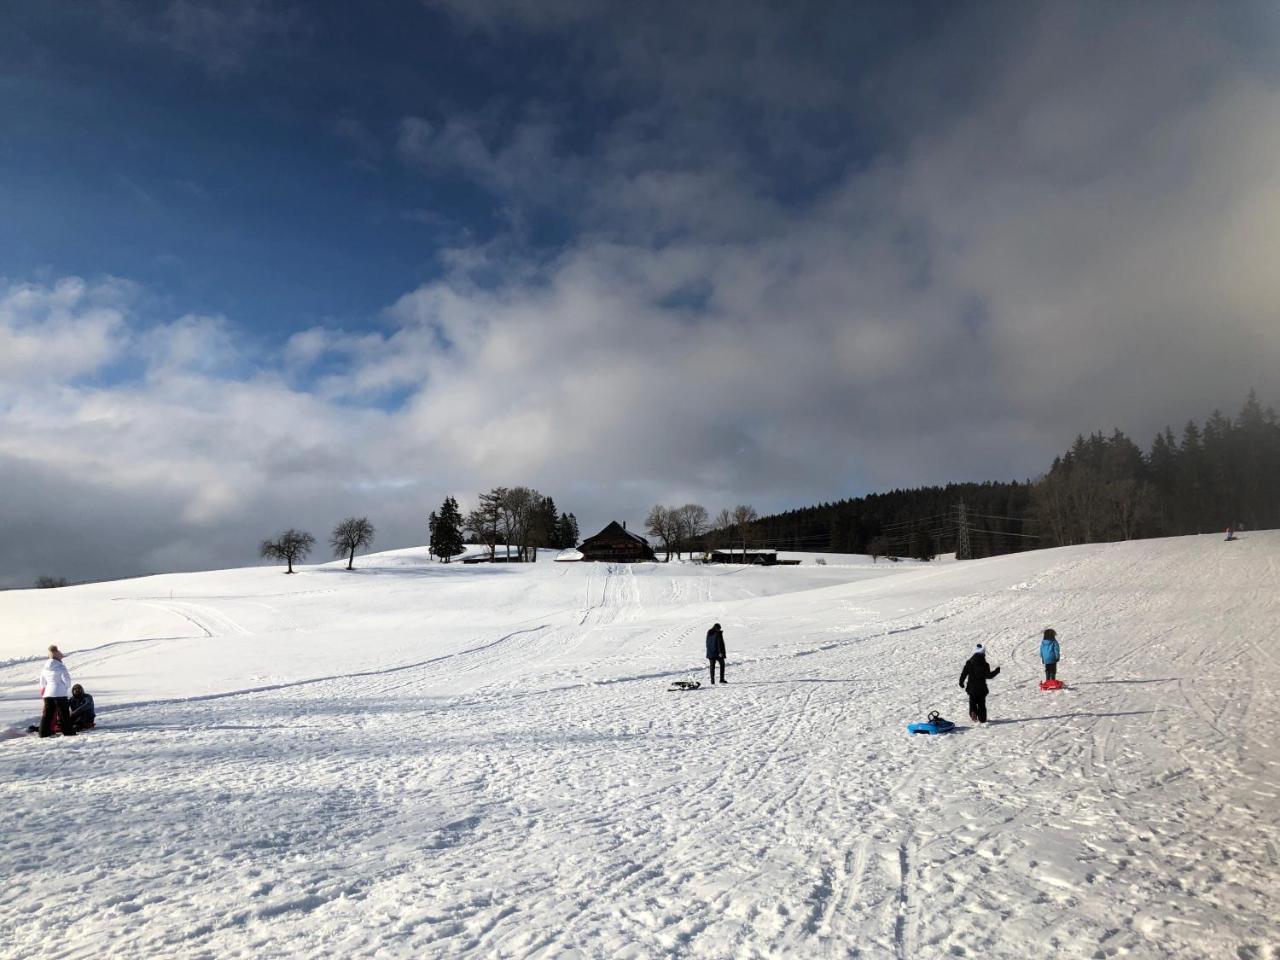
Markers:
point(933, 724)
point(1052, 685)
point(678, 685)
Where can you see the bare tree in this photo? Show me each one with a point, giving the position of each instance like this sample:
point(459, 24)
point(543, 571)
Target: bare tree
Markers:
point(349, 536)
point(743, 517)
point(518, 507)
point(291, 546)
point(661, 522)
point(483, 521)
point(722, 528)
point(691, 523)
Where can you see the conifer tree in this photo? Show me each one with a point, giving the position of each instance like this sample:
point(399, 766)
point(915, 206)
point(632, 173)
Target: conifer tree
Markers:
point(446, 530)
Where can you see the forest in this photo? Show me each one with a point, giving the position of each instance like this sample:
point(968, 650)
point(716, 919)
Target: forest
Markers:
point(1222, 473)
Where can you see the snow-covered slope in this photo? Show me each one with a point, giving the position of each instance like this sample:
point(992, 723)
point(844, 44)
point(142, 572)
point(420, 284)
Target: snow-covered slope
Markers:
point(422, 760)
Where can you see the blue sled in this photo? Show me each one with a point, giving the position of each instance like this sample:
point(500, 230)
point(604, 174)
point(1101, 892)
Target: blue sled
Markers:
point(933, 726)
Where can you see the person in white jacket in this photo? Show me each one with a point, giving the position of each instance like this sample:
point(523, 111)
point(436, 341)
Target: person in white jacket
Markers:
point(55, 688)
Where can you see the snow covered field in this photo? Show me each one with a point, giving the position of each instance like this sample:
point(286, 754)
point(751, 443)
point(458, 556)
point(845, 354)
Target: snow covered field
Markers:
point(416, 760)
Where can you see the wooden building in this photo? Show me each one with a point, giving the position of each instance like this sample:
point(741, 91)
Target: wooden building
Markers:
point(763, 558)
point(616, 544)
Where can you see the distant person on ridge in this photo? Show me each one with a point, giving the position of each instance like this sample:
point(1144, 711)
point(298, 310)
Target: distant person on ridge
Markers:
point(55, 685)
point(974, 679)
point(1050, 654)
point(82, 712)
point(716, 652)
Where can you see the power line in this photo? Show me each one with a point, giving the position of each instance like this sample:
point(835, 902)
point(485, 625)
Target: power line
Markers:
point(988, 516)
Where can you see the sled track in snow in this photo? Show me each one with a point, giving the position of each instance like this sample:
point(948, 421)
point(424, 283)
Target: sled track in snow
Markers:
point(312, 681)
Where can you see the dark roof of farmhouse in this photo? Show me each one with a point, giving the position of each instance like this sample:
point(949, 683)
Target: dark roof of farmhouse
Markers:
point(615, 530)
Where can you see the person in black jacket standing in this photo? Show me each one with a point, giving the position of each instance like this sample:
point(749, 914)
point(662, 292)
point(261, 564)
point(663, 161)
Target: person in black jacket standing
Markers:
point(715, 651)
point(974, 679)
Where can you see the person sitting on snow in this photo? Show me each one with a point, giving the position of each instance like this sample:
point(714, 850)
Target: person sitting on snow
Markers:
point(974, 679)
point(1050, 654)
point(82, 712)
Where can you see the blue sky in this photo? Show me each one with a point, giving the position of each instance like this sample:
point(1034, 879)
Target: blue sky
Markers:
point(267, 263)
point(233, 186)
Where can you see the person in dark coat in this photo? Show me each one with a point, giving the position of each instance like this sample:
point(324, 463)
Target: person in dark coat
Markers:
point(82, 712)
point(974, 679)
point(716, 652)
point(1050, 653)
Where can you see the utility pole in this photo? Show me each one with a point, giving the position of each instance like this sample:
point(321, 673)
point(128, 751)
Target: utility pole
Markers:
point(963, 550)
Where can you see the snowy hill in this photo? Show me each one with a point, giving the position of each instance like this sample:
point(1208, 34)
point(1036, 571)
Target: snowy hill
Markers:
point(421, 760)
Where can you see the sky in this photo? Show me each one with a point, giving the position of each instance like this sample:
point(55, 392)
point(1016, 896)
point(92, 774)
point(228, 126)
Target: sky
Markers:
point(269, 264)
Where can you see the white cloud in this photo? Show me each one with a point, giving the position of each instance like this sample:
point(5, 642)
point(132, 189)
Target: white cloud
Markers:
point(522, 160)
point(60, 332)
point(1078, 239)
point(192, 343)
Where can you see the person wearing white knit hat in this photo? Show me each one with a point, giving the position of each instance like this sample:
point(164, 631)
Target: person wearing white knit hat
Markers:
point(973, 678)
point(55, 688)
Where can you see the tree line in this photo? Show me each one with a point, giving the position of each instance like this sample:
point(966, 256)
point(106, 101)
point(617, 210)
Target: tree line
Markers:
point(1104, 488)
point(920, 522)
point(689, 528)
point(518, 517)
point(1222, 474)
point(1219, 474)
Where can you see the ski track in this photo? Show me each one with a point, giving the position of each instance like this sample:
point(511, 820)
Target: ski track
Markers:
point(529, 789)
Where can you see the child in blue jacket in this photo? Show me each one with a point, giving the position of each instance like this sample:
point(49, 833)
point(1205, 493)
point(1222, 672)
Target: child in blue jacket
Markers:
point(1050, 654)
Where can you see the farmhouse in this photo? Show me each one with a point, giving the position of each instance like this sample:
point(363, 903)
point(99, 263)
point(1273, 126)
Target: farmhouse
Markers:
point(616, 544)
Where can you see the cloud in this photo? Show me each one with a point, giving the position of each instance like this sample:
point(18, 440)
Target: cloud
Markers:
point(522, 161)
point(189, 454)
point(1057, 236)
point(221, 36)
point(59, 333)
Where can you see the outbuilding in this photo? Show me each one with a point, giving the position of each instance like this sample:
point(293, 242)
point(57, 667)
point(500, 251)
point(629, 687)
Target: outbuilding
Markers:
point(762, 558)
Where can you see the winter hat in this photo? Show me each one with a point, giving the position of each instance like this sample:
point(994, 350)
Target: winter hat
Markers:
point(979, 649)
point(1049, 633)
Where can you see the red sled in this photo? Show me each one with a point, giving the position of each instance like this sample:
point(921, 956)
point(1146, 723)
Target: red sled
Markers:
point(1051, 684)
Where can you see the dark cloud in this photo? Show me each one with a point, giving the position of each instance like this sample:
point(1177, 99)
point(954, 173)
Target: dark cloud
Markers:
point(805, 253)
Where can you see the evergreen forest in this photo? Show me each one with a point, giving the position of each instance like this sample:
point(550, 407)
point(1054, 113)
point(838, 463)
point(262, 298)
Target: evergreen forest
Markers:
point(1222, 473)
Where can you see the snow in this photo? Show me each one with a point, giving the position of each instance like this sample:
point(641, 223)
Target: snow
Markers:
point(424, 760)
